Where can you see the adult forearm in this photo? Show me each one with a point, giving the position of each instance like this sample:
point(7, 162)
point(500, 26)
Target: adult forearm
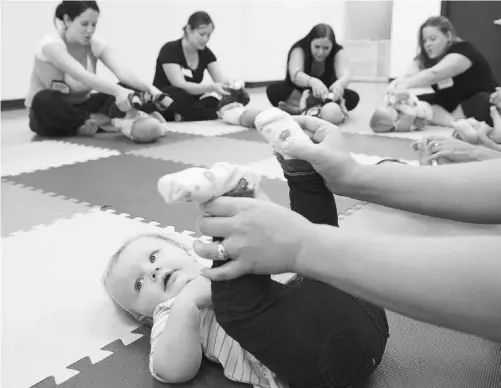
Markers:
point(468, 192)
point(99, 84)
point(130, 79)
point(423, 78)
point(302, 79)
point(195, 88)
point(445, 281)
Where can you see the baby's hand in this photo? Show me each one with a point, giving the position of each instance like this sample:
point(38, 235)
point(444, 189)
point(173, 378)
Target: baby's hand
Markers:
point(197, 291)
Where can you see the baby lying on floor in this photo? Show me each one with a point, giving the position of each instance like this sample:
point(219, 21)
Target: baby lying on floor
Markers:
point(401, 113)
point(262, 332)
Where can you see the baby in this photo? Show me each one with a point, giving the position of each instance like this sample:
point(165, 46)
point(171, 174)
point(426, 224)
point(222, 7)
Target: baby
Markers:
point(232, 106)
point(262, 332)
point(327, 109)
point(471, 130)
point(137, 125)
point(402, 113)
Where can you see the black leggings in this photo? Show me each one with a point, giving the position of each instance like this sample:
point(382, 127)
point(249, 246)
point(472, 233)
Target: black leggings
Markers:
point(52, 115)
point(189, 106)
point(310, 334)
point(282, 90)
point(476, 106)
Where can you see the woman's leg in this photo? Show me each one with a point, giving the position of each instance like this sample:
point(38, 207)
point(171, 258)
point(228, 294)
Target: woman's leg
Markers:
point(308, 333)
point(478, 107)
point(190, 107)
point(351, 99)
point(279, 92)
point(51, 115)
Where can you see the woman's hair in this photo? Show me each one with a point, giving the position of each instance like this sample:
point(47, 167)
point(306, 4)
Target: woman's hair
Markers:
point(73, 9)
point(443, 25)
point(318, 31)
point(107, 275)
point(197, 19)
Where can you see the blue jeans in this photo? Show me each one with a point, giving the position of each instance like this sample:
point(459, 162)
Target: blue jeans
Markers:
point(310, 334)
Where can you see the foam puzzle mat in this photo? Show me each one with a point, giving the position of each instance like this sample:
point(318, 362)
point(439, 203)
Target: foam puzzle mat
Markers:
point(68, 204)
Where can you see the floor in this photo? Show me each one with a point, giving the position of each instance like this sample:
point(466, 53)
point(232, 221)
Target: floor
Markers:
point(68, 204)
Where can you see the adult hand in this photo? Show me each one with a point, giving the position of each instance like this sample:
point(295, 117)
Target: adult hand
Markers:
point(122, 99)
point(318, 88)
point(254, 237)
point(328, 153)
point(337, 89)
point(452, 150)
point(220, 89)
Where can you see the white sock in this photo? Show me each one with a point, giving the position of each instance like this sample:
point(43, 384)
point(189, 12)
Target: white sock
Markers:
point(276, 126)
point(199, 184)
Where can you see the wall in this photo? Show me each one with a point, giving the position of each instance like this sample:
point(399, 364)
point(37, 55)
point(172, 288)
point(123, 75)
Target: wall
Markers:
point(368, 20)
point(407, 17)
point(251, 38)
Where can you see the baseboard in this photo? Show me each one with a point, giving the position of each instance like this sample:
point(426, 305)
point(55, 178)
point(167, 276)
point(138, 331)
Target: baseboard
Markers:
point(13, 104)
point(260, 84)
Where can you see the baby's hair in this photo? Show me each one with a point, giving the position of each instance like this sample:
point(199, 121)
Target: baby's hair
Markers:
point(114, 259)
point(381, 122)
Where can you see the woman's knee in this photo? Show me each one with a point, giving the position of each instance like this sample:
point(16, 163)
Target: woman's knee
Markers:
point(351, 99)
point(278, 92)
point(332, 113)
point(46, 99)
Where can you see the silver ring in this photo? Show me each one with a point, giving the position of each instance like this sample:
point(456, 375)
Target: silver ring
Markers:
point(435, 148)
point(221, 252)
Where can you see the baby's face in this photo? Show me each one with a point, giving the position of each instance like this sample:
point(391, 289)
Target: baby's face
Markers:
point(150, 271)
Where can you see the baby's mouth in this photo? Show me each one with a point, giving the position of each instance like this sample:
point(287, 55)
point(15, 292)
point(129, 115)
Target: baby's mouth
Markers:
point(166, 281)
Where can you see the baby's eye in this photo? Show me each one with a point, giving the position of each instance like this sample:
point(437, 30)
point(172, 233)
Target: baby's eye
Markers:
point(153, 257)
point(139, 284)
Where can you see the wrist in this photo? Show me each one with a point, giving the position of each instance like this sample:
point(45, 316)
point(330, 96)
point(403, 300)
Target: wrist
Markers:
point(309, 80)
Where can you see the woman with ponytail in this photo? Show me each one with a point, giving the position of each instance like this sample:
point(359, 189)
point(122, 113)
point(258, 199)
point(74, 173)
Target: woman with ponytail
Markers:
point(59, 98)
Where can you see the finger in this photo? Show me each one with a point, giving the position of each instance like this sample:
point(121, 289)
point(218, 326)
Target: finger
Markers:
point(214, 226)
point(441, 154)
point(226, 206)
point(309, 124)
point(206, 250)
point(228, 271)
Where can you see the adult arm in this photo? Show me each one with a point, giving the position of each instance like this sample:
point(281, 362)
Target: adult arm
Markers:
point(342, 68)
point(447, 281)
point(124, 75)
point(176, 78)
point(450, 66)
point(58, 55)
point(296, 68)
point(217, 74)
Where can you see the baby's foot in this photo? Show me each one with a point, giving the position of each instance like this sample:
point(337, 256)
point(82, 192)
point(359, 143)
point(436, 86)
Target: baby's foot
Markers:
point(202, 184)
point(465, 131)
point(423, 149)
point(89, 128)
point(276, 126)
point(496, 119)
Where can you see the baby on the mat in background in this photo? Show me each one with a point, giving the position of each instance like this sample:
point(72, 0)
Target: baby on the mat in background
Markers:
point(402, 112)
point(265, 333)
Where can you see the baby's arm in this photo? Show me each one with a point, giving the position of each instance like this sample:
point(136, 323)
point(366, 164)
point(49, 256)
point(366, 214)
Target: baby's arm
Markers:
point(176, 350)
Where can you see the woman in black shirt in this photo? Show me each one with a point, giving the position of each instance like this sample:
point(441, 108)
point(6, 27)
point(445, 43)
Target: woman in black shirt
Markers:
point(180, 70)
point(319, 64)
point(458, 73)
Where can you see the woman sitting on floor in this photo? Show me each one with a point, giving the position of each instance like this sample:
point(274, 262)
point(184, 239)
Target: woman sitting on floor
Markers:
point(458, 73)
point(59, 99)
point(180, 69)
point(317, 71)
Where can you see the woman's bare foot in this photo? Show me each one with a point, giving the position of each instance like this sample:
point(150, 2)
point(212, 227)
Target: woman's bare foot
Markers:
point(89, 128)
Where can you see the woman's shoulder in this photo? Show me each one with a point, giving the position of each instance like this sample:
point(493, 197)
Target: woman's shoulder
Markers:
point(463, 47)
point(47, 39)
point(172, 44)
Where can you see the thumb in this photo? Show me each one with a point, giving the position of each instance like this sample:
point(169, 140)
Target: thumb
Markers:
point(230, 270)
point(299, 149)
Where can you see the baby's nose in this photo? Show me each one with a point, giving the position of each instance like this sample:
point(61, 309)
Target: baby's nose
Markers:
point(155, 274)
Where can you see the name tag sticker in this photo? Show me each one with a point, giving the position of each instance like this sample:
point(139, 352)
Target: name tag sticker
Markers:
point(187, 73)
point(446, 83)
point(60, 86)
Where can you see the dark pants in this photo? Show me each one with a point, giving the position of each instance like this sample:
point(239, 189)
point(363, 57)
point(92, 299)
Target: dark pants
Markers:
point(282, 90)
point(476, 106)
point(189, 106)
point(52, 115)
point(310, 334)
